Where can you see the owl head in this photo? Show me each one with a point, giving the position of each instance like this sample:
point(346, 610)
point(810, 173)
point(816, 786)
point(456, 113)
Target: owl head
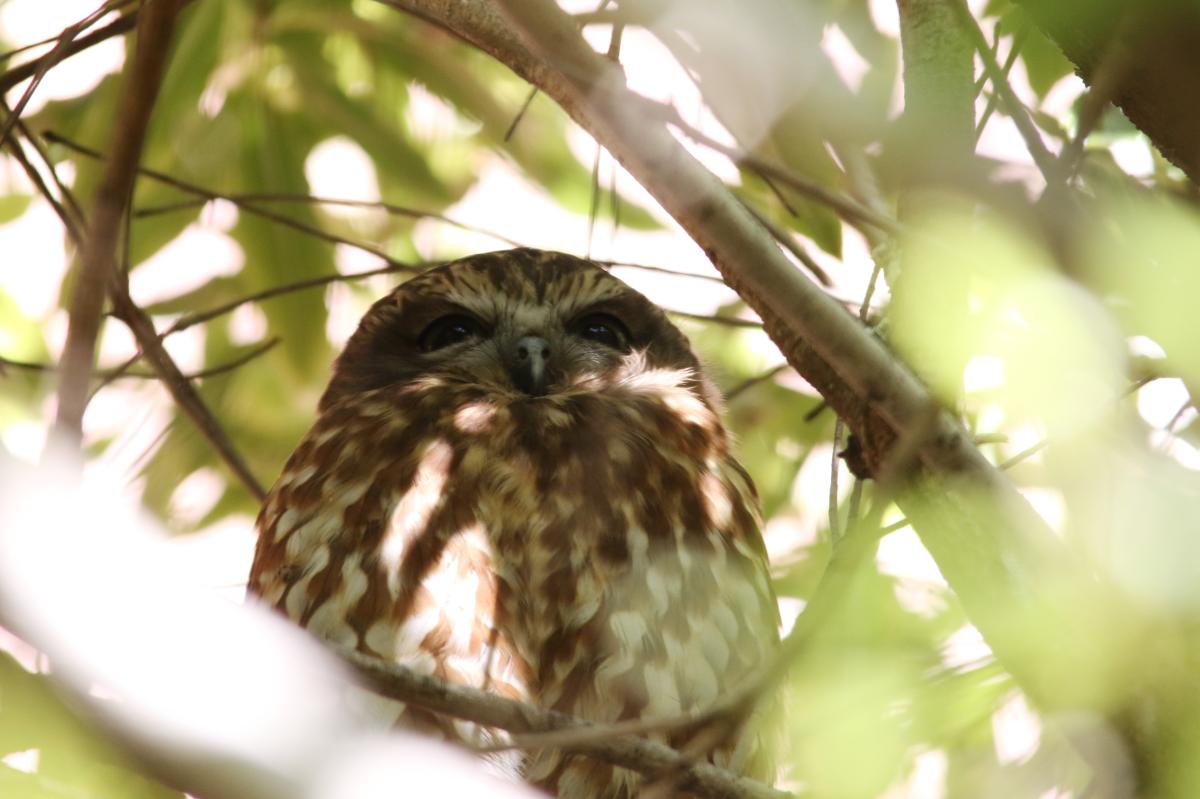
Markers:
point(522, 325)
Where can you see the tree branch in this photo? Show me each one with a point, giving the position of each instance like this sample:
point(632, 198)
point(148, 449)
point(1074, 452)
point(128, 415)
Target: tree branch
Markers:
point(97, 263)
point(117, 27)
point(646, 757)
point(182, 390)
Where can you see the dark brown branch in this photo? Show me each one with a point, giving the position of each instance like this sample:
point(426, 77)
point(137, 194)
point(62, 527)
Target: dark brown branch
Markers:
point(96, 269)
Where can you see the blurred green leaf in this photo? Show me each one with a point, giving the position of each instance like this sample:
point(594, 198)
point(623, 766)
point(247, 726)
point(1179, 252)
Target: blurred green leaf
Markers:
point(12, 206)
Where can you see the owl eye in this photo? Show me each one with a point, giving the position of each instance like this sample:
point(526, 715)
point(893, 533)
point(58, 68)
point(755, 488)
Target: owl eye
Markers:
point(448, 330)
point(604, 329)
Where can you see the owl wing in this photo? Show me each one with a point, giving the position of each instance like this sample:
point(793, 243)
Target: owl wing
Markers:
point(682, 623)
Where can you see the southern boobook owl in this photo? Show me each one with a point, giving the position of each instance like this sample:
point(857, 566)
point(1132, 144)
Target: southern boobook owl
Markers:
point(519, 481)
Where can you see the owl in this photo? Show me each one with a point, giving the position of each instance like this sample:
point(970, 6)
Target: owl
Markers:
point(519, 481)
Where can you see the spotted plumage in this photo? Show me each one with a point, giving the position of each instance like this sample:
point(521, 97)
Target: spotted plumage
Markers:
point(519, 481)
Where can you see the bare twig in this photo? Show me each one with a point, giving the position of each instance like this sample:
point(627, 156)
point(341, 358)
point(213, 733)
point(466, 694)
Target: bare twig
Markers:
point(1015, 50)
point(46, 63)
point(71, 218)
point(1045, 160)
point(728, 321)
point(512, 128)
point(845, 207)
point(269, 197)
point(96, 268)
point(120, 372)
point(835, 528)
point(117, 27)
point(91, 19)
point(791, 245)
point(662, 270)
point(183, 391)
point(751, 382)
point(248, 207)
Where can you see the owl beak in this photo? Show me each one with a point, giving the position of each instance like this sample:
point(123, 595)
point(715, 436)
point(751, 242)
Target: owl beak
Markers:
point(527, 365)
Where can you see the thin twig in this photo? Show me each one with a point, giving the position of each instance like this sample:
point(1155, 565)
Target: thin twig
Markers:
point(184, 392)
point(68, 198)
point(751, 382)
point(93, 17)
point(271, 197)
point(835, 531)
point(790, 244)
point(117, 27)
point(848, 209)
point(512, 128)
point(72, 223)
point(662, 270)
point(45, 64)
point(728, 321)
point(248, 207)
point(1045, 160)
point(1018, 40)
point(120, 373)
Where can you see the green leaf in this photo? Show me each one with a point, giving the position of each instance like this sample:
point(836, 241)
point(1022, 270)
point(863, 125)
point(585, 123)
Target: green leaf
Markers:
point(1044, 62)
point(12, 206)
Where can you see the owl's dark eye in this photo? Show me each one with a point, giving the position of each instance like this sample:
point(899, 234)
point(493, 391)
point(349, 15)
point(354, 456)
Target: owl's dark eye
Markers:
point(448, 330)
point(604, 329)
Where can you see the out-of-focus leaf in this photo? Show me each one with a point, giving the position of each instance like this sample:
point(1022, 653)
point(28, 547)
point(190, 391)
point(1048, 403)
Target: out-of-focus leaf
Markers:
point(12, 206)
point(1044, 62)
point(72, 761)
point(847, 740)
point(20, 339)
point(1145, 260)
point(274, 147)
point(482, 90)
point(999, 296)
